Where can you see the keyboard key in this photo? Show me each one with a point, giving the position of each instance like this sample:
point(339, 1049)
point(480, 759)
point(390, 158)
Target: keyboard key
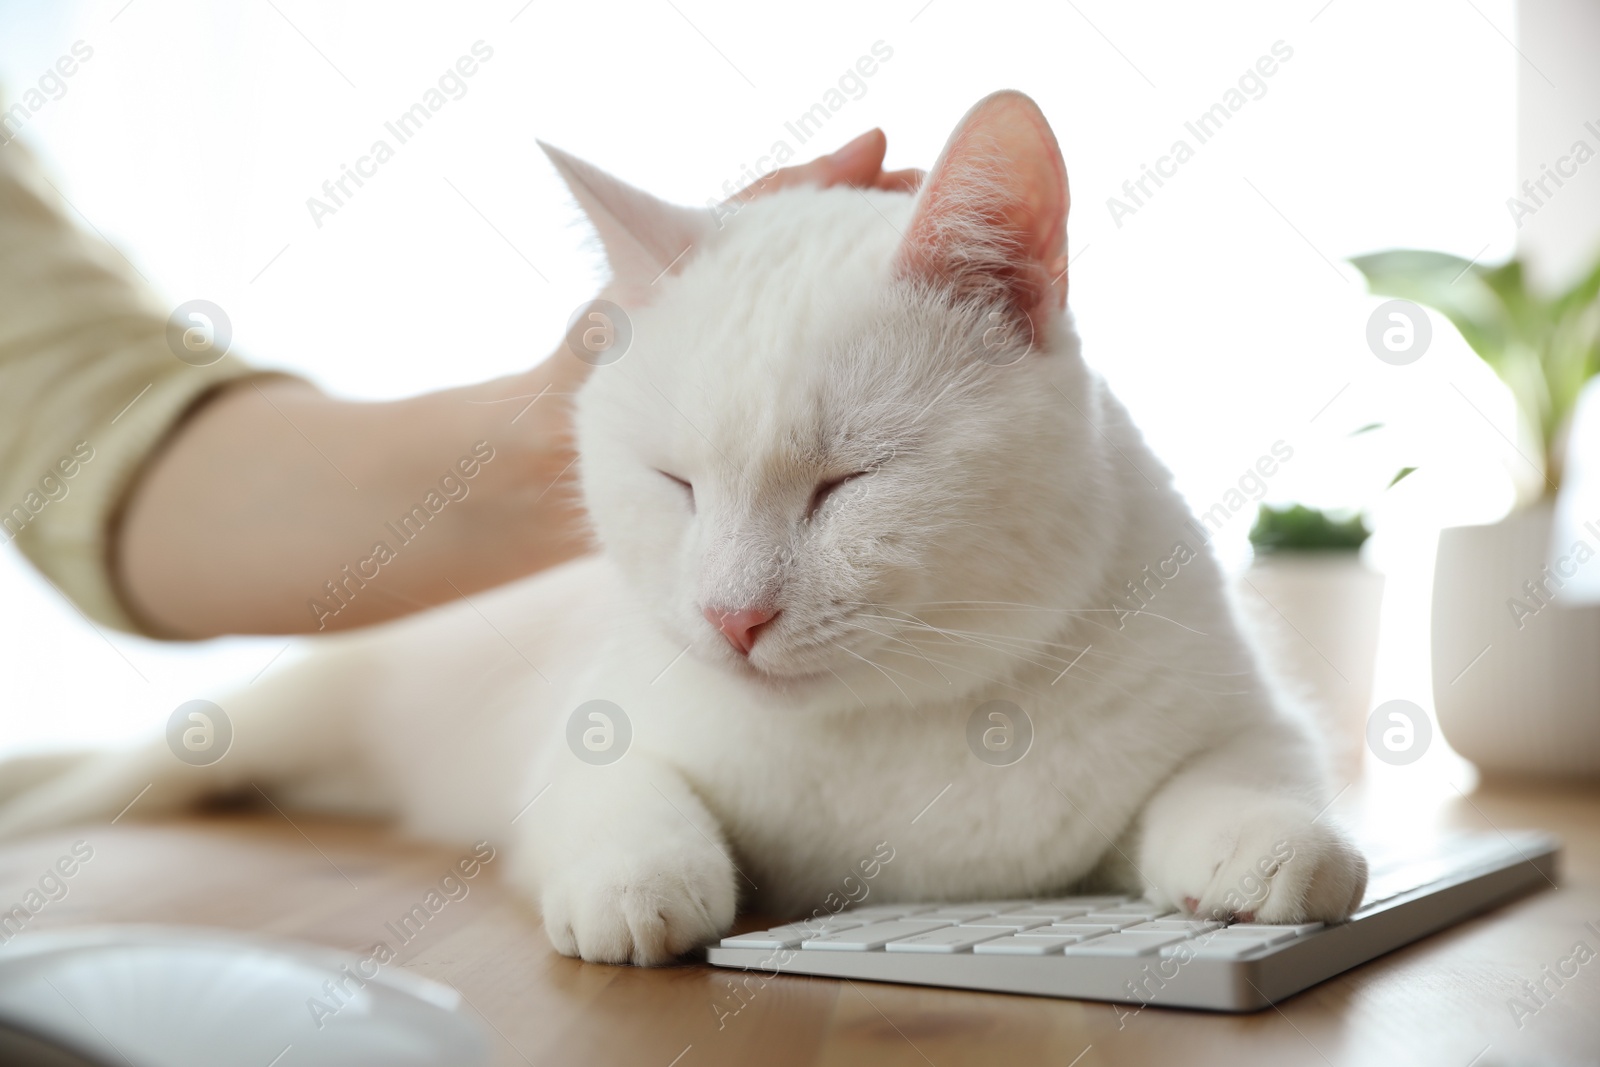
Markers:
point(883, 912)
point(1264, 936)
point(1293, 930)
point(1086, 903)
point(1015, 945)
point(874, 935)
point(1192, 927)
point(1142, 908)
point(764, 939)
point(1408, 876)
point(959, 915)
point(1045, 911)
point(807, 930)
point(1116, 922)
point(1124, 944)
point(1054, 933)
point(1074, 929)
point(946, 939)
point(1011, 922)
point(1217, 948)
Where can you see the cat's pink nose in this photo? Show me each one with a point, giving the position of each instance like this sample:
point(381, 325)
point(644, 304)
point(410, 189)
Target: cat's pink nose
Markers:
point(739, 625)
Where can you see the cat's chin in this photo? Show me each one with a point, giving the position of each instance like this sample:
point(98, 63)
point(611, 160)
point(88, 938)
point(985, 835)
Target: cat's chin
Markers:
point(800, 683)
point(773, 678)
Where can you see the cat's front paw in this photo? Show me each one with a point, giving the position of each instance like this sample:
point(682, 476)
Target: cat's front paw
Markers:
point(647, 909)
point(1274, 864)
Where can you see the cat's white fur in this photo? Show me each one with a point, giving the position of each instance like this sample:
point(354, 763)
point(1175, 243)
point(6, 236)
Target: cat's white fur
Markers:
point(981, 553)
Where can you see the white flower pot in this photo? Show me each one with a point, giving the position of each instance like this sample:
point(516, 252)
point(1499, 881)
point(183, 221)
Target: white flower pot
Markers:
point(1516, 675)
point(1315, 615)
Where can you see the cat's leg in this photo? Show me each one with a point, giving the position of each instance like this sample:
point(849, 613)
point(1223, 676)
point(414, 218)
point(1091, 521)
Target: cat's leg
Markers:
point(19, 774)
point(291, 728)
point(1241, 831)
point(626, 864)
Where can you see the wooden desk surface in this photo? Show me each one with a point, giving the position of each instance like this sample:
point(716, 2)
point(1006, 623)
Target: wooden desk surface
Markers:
point(1442, 1001)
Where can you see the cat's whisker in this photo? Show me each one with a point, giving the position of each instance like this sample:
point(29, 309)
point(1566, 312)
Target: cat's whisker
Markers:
point(1108, 631)
point(846, 684)
point(903, 641)
point(1002, 605)
point(1002, 683)
point(971, 637)
point(958, 638)
point(883, 671)
point(1082, 670)
point(1155, 668)
point(965, 668)
point(990, 635)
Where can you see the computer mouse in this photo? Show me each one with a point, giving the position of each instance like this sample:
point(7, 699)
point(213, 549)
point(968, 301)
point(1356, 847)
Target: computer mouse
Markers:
point(164, 996)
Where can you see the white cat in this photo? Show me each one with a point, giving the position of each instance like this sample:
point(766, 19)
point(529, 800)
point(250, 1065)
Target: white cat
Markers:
point(853, 483)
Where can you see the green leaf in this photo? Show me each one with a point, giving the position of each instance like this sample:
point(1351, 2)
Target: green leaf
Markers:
point(1545, 350)
point(1582, 294)
point(1400, 476)
point(1298, 528)
point(1449, 285)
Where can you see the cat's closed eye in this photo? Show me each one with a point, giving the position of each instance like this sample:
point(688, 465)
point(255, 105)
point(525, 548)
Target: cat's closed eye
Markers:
point(687, 486)
point(819, 496)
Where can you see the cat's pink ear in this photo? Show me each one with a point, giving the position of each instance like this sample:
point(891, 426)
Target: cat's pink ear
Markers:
point(645, 238)
point(991, 221)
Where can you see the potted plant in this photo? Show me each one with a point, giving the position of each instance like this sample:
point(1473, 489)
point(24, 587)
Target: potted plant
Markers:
point(1317, 607)
point(1516, 671)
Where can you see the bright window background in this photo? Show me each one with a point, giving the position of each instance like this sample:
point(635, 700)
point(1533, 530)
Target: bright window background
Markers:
point(1221, 311)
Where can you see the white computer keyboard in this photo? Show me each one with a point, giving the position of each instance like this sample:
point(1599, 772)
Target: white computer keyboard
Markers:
point(1119, 948)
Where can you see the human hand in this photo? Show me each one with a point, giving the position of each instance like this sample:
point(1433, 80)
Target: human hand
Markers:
point(858, 163)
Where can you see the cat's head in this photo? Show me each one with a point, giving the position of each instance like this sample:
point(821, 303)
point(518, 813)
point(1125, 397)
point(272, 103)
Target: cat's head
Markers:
point(841, 448)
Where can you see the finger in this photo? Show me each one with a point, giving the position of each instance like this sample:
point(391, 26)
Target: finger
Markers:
point(858, 163)
point(900, 181)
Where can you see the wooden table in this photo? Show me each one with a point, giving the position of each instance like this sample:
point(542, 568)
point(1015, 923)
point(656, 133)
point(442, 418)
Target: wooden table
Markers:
point(1442, 1001)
